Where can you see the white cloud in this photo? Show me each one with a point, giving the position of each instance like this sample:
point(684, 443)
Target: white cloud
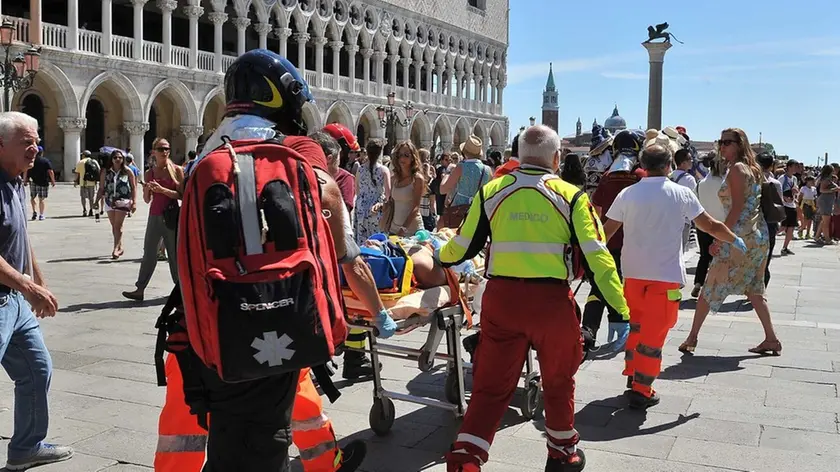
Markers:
point(519, 73)
point(835, 51)
point(624, 75)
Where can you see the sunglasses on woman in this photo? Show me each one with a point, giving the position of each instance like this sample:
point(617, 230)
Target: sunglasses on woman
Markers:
point(162, 149)
point(727, 142)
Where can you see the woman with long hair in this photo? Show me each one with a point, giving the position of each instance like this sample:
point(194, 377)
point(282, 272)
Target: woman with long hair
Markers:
point(162, 191)
point(118, 189)
point(373, 189)
point(573, 171)
point(408, 189)
point(826, 196)
point(732, 272)
point(427, 202)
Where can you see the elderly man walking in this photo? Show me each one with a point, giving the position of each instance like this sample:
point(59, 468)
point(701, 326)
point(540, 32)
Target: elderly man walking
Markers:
point(530, 216)
point(23, 296)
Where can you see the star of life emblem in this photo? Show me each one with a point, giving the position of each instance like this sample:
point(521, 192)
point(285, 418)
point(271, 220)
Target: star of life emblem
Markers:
point(272, 350)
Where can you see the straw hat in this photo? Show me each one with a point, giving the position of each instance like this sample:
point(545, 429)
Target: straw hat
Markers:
point(472, 147)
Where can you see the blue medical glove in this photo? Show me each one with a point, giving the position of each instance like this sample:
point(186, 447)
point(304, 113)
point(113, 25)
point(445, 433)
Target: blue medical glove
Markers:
point(621, 330)
point(385, 324)
point(739, 244)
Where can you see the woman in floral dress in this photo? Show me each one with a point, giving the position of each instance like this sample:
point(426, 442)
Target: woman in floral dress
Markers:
point(373, 189)
point(731, 272)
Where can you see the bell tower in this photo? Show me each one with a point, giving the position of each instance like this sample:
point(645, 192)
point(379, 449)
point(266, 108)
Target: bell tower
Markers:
point(550, 106)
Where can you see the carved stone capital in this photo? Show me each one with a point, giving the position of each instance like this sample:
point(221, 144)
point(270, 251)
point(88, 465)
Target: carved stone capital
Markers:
point(241, 23)
point(302, 37)
point(217, 18)
point(263, 28)
point(193, 11)
point(320, 41)
point(494, 82)
point(283, 33)
point(394, 58)
point(135, 128)
point(167, 6)
point(336, 45)
point(352, 48)
point(192, 132)
point(380, 55)
point(68, 123)
point(407, 61)
point(139, 3)
point(367, 53)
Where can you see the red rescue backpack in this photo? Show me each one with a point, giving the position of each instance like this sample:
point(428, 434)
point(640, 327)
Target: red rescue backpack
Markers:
point(256, 262)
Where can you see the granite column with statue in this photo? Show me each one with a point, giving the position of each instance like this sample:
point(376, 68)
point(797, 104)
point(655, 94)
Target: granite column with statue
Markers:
point(656, 53)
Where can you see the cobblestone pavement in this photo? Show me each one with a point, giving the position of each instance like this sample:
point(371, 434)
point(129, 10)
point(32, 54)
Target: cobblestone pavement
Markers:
point(722, 409)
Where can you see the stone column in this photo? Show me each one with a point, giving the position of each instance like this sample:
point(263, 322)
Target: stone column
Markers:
point(105, 48)
point(35, 22)
point(166, 8)
point(320, 42)
point(72, 144)
point(218, 19)
point(301, 39)
point(193, 13)
point(379, 62)
point(406, 62)
point(73, 25)
point(453, 81)
point(393, 71)
point(418, 75)
point(429, 82)
point(656, 53)
point(136, 131)
point(352, 49)
point(241, 25)
point(138, 28)
point(283, 34)
point(494, 84)
point(366, 55)
point(263, 29)
point(446, 142)
point(439, 73)
point(336, 49)
point(192, 133)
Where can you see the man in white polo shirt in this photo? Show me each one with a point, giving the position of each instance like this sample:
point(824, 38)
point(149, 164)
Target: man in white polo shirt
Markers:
point(652, 213)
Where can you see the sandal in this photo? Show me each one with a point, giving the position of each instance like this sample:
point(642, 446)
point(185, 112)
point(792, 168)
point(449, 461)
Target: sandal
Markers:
point(688, 347)
point(768, 348)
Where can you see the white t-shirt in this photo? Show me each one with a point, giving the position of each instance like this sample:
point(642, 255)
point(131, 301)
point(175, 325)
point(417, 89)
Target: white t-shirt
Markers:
point(808, 193)
point(684, 178)
point(707, 193)
point(653, 213)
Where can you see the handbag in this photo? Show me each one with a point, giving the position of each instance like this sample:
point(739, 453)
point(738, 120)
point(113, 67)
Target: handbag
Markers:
point(772, 205)
point(387, 216)
point(171, 214)
point(122, 204)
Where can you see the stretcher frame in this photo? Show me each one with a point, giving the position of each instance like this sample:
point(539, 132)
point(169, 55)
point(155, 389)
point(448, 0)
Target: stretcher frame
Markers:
point(443, 322)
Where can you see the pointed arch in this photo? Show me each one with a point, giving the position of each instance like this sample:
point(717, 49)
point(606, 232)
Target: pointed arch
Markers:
point(480, 129)
point(220, 90)
point(443, 128)
point(57, 80)
point(497, 135)
point(281, 14)
point(181, 96)
point(423, 125)
point(129, 97)
point(461, 131)
point(312, 117)
point(339, 112)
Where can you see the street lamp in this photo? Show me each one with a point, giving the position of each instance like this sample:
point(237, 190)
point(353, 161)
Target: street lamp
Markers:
point(389, 120)
point(16, 73)
point(532, 120)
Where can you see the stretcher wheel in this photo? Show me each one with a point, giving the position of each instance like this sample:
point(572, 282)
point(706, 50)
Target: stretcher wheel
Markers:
point(533, 400)
point(382, 415)
point(450, 388)
point(424, 361)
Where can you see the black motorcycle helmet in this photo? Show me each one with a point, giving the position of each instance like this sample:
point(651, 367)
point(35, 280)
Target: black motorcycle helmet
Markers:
point(263, 83)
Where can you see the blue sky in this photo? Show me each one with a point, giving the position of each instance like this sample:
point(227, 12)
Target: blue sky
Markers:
point(770, 67)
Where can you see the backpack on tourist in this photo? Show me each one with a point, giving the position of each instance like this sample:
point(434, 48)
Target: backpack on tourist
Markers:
point(92, 170)
point(257, 267)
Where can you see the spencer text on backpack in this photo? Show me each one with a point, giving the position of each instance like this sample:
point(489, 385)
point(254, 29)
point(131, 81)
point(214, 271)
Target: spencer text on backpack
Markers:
point(256, 261)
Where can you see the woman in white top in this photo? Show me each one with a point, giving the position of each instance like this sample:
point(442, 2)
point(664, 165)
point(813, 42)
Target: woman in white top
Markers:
point(407, 190)
point(373, 189)
point(707, 193)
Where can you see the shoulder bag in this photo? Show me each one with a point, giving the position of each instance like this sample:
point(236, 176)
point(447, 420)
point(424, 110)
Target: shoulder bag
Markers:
point(454, 215)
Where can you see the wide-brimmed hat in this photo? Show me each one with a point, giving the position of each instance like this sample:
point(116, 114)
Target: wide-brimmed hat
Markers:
point(472, 147)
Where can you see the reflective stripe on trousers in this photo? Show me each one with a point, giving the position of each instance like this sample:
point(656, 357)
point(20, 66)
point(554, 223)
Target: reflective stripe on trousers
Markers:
point(181, 441)
point(312, 430)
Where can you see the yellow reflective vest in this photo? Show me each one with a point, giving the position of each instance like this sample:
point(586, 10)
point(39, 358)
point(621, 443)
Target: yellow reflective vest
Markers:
point(525, 214)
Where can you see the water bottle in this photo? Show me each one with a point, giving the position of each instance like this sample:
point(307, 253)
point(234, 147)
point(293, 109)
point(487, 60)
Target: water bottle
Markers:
point(423, 236)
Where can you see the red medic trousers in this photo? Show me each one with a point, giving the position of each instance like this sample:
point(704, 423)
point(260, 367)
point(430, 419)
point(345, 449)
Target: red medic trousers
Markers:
point(518, 314)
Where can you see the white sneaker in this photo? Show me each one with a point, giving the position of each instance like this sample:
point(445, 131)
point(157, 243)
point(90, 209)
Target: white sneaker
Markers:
point(48, 454)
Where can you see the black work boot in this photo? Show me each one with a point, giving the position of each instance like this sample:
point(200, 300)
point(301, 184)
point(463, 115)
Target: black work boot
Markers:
point(470, 344)
point(641, 402)
point(574, 463)
point(352, 456)
point(356, 366)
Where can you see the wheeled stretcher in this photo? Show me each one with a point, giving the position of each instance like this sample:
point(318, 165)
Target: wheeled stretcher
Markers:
point(443, 322)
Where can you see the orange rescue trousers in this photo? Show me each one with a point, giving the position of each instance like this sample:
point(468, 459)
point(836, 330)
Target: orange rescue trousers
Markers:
point(654, 307)
point(182, 442)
